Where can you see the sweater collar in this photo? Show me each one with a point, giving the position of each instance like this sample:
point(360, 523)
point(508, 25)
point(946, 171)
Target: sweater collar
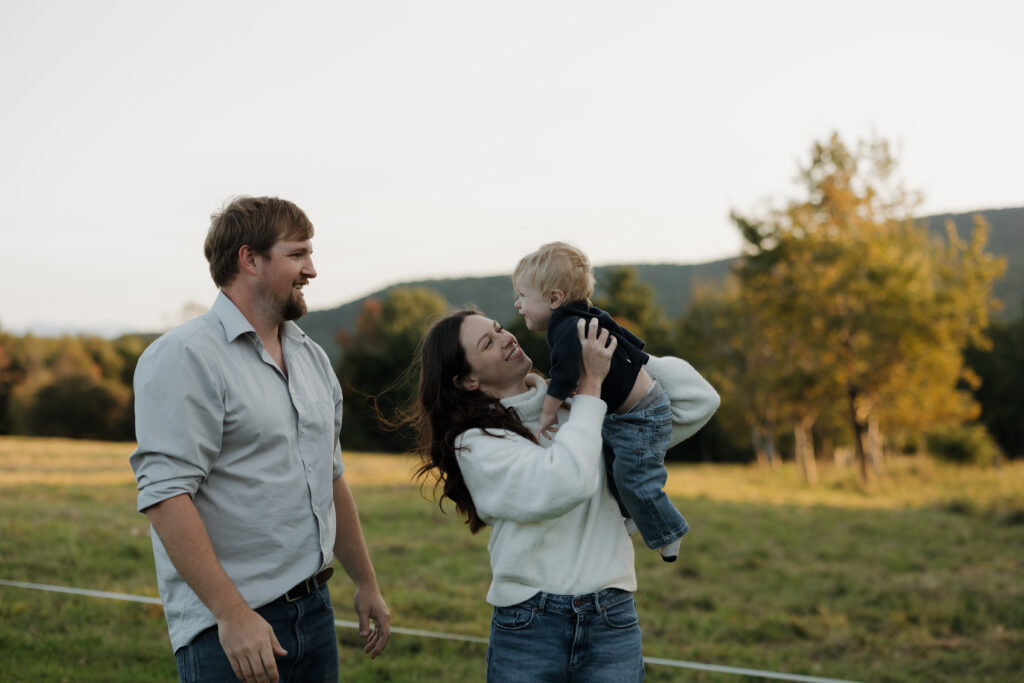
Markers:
point(529, 403)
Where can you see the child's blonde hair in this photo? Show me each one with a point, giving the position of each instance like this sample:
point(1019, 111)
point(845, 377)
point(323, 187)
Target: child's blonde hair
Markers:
point(557, 265)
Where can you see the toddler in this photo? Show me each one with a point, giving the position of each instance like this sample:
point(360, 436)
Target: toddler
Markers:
point(553, 288)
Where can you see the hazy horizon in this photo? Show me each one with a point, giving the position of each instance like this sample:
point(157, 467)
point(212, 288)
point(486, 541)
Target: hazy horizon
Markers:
point(446, 139)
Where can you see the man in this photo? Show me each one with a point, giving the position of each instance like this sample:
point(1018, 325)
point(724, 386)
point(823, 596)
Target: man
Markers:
point(238, 415)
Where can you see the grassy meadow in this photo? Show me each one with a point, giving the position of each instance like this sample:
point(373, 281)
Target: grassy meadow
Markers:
point(919, 579)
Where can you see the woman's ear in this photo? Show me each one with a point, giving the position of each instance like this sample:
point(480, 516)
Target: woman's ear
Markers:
point(556, 298)
point(466, 383)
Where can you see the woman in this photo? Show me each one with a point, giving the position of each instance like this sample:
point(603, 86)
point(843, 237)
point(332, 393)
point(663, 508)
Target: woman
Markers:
point(561, 560)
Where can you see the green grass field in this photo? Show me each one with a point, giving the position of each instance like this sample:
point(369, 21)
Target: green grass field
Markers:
point(919, 579)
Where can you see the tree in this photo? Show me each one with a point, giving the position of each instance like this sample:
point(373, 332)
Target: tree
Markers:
point(724, 333)
point(375, 366)
point(10, 377)
point(68, 396)
point(1000, 370)
point(869, 303)
point(633, 305)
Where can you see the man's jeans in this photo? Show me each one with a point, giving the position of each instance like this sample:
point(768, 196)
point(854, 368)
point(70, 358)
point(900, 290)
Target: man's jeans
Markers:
point(634, 447)
point(305, 628)
point(594, 637)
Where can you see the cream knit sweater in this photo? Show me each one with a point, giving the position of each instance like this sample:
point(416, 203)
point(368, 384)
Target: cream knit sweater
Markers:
point(554, 524)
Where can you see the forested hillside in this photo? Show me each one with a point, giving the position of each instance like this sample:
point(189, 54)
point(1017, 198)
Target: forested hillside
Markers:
point(673, 284)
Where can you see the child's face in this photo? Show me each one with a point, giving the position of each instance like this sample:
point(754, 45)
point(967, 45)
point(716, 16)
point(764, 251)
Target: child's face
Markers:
point(534, 307)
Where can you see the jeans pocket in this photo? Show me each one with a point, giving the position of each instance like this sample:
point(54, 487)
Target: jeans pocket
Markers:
point(621, 615)
point(324, 595)
point(513, 618)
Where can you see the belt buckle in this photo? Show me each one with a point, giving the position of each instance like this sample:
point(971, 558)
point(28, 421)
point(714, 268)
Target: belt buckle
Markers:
point(301, 591)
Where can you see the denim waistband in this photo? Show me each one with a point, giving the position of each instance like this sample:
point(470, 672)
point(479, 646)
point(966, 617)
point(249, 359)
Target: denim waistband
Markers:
point(583, 602)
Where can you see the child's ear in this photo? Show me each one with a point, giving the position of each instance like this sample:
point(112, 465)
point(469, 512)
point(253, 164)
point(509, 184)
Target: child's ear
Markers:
point(556, 298)
point(466, 383)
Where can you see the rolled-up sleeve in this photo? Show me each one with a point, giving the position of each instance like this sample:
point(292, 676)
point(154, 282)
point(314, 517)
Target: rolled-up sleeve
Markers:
point(179, 417)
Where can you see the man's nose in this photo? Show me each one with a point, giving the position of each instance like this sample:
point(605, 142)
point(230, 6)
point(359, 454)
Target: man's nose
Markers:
point(309, 270)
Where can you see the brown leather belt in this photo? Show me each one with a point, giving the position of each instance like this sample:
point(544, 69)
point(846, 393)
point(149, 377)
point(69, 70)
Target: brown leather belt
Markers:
point(308, 586)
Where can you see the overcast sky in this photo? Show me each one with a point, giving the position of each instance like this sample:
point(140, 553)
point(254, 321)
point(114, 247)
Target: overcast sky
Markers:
point(448, 138)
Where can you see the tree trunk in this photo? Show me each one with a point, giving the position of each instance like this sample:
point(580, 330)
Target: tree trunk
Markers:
point(875, 444)
point(769, 443)
point(828, 447)
point(804, 449)
point(758, 440)
point(859, 432)
point(762, 434)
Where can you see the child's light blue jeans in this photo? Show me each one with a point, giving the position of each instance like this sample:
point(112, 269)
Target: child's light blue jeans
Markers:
point(634, 448)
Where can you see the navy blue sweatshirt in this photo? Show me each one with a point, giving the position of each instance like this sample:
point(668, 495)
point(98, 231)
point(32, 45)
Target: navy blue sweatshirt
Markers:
point(564, 341)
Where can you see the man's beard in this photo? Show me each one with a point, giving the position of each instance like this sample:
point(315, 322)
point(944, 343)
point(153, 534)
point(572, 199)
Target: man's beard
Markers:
point(291, 307)
point(294, 307)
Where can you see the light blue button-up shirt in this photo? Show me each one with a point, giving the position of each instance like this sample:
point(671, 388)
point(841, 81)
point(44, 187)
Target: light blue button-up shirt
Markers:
point(257, 451)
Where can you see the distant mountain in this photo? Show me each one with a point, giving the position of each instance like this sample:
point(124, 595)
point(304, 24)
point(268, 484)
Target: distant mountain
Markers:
point(1005, 239)
point(673, 284)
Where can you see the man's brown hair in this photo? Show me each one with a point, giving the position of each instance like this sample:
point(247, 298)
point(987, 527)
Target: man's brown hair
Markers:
point(257, 221)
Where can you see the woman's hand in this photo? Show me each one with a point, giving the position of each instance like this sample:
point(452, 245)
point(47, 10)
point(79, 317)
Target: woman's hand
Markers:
point(596, 358)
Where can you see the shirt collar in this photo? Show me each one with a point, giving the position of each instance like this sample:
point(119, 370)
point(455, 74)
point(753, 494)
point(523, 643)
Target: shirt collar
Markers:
point(235, 324)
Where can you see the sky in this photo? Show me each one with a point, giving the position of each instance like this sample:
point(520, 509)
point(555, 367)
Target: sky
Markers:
point(448, 138)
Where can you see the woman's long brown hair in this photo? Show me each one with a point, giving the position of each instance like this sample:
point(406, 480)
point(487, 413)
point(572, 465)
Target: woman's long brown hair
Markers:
point(441, 411)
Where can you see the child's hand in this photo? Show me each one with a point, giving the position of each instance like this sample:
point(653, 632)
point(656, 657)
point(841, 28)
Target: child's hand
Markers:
point(548, 426)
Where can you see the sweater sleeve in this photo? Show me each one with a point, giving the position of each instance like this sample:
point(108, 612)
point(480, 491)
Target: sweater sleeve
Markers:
point(692, 398)
point(510, 477)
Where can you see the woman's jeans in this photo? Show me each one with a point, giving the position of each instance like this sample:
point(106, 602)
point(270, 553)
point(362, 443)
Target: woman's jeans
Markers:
point(593, 638)
point(305, 628)
point(634, 448)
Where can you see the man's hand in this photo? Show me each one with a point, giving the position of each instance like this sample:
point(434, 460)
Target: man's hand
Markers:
point(250, 644)
point(247, 639)
point(370, 605)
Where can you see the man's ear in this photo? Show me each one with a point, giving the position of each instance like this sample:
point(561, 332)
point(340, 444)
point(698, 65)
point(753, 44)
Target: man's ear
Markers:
point(247, 259)
point(556, 298)
point(466, 383)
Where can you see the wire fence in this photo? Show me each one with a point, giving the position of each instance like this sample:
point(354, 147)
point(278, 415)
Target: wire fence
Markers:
point(655, 661)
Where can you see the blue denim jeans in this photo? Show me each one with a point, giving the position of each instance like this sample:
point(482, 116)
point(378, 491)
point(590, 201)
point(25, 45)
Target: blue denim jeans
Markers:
point(305, 628)
point(635, 445)
point(594, 637)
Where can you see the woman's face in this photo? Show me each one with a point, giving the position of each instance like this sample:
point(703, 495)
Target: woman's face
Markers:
point(497, 363)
